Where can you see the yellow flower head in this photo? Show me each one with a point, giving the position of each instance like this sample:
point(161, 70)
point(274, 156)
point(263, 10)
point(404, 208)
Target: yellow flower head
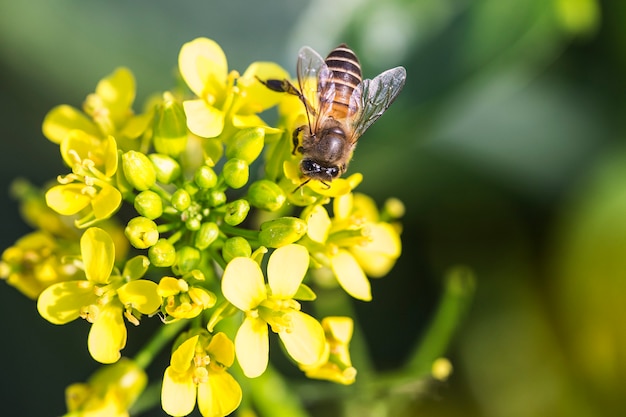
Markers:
point(182, 300)
point(103, 298)
point(243, 285)
point(197, 371)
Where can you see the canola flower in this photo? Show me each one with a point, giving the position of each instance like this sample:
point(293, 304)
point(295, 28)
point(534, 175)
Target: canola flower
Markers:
point(225, 256)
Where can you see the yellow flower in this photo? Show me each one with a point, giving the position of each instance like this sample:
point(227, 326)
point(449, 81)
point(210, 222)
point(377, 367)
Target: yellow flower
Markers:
point(354, 244)
point(91, 184)
point(243, 286)
point(109, 392)
point(103, 297)
point(198, 371)
point(182, 300)
point(107, 112)
point(336, 365)
point(224, 98)
point(35, 262)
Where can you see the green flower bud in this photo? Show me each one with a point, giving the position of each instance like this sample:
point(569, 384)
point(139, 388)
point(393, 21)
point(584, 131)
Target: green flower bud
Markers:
point(216, 198)
point(236, 212)
point(138, 170)
point(170, 127)
point(136, 267)
point(149, 204)
point(205, 177)
point(141, 232)
point(181, 200)
point(193, 223)
point(162, 253)
point(247, 144)
point(167, 168)
point(235, 247)
point(206, 235)
point(266, 195)
point(236, 173)
point(282, 231)
point(187, 259)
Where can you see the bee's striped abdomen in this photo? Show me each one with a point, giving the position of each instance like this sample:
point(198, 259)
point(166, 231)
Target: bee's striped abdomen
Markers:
point(346, 76)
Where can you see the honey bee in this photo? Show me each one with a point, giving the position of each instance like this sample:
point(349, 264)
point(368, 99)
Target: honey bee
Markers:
point(339, 105)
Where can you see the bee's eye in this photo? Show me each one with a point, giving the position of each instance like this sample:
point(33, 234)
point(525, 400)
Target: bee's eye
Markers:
point(333, 172)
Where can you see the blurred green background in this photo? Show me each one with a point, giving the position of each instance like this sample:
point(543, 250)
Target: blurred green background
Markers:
point(507, 146)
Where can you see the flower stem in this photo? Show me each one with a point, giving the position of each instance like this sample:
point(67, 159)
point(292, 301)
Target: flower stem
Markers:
point(165, 334)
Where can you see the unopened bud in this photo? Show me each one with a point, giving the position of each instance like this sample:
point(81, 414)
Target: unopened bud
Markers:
point(141, 232)
point(216, 198)
point(138, 170)
point(206, 235)
point(247, 144)
point(205, 177)
point(266, 195)
point(170, 127)
point(236, 173)
point(236, 212)
point(235, 247)
point(162, 253)
point(282, 231)
point(167, 168)
point(149, 204)
point(187, 259)
point(181, 200)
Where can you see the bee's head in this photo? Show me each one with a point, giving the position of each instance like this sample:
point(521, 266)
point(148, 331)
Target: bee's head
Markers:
point(316, 171)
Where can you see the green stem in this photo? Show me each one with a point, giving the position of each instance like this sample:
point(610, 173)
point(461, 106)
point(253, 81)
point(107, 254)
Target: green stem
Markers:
point(237, 231)
point(164, 335)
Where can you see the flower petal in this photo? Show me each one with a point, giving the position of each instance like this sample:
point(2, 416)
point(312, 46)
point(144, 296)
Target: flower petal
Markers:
point(61, 303)
point(286, 269)
point(350, 275)
point(67, 199)
point(203, 120)
point(141, 295)
point(220, 396)
point(62, 119)
point(200, 62)
point(222, 349)
point(379, 255)
point(183, 355)
point(305, 340)
point(98, 253)
point(106, 202)
point(107, 335)
point(178, 394)
point(243, 284)
point(252, 347)
point(318, 223)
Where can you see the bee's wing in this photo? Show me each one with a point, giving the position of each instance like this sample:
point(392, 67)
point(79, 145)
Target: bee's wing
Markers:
point(372, 97)
point(314, 79)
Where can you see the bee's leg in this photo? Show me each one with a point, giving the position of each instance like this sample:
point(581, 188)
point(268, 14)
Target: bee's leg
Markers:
point(295, 139)
point(284, 86)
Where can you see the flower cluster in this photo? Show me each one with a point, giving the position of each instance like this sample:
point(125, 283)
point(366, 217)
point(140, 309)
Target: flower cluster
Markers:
point(220, 236)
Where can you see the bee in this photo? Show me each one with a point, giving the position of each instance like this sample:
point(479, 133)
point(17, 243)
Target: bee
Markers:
point(340, 105)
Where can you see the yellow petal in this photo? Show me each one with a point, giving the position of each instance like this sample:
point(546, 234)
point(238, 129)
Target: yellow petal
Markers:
point(252, 347)
point(61, 303)
point(200, 62)
point(98, 253)
point(183, 355)
point(61, 120)
point(222, 349)
point(256, 96)
point(318, 224)
point(178, 395)
point(286, 269)
point(67, 199)
point(107, 335)
point(141, 295)
point(305, 342)
point(379, 255)
point(220, 396)
point(243, 284)
point(106, 202)
point(350, 276)
point(202, 119)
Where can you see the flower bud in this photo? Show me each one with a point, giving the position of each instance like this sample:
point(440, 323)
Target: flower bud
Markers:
point(236, 212)
point(167, 168)
point(282, 231)
point(206, 235)
point(138, 170)
point(205, 177)
point(193, 223)
point(216, 198)
point(149, 204)
point(162, 253)
point(187, 259)
point(266, 195)
point(235, 247)
point(170, 127)
point(141, 232)
point(181, 200)
point(247, 144)
point(236, 173)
